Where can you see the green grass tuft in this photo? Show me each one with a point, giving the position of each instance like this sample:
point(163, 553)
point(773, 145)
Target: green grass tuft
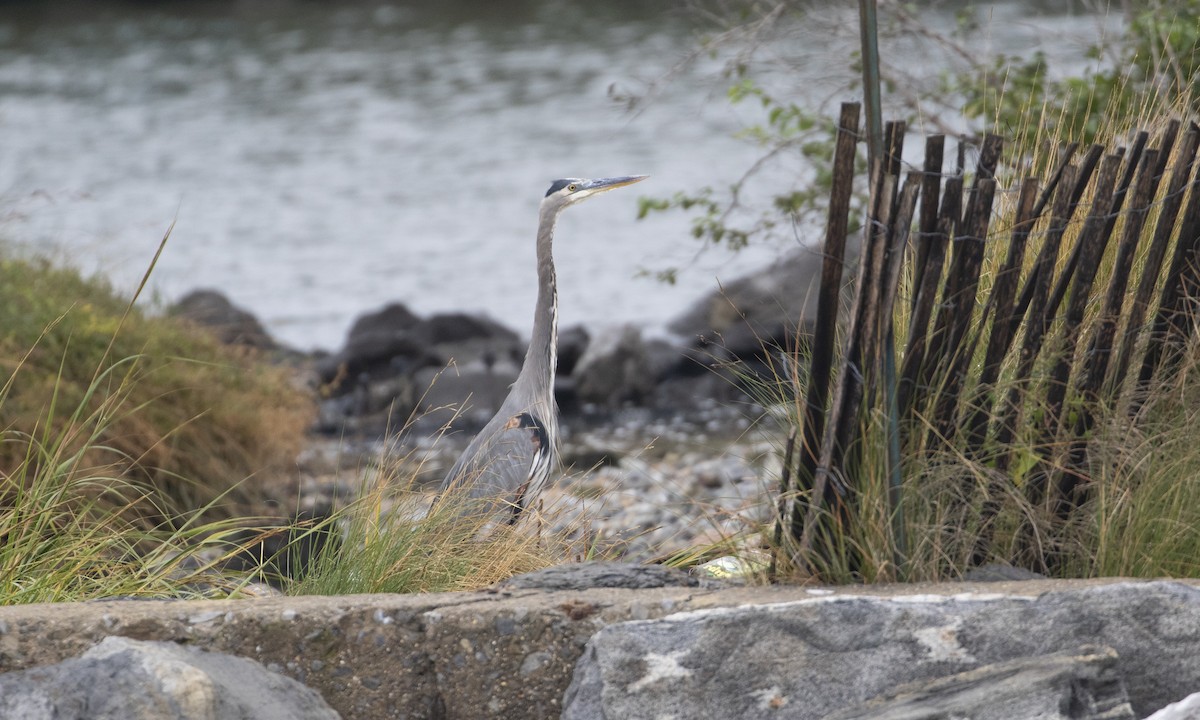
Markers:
point(194, 418)
point(127, 444)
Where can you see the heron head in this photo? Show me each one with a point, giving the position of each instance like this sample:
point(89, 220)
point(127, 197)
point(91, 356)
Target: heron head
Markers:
point(569, 191)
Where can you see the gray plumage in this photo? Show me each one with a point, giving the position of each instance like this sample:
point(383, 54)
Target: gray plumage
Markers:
point(510, 460)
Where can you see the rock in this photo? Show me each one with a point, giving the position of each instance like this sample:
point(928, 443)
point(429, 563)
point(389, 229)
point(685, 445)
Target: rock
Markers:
point(366, 407)
point(582, 576)
point(818, 657)
point(1085, 685)
point(379, 345)
point(124, 679)
point(572, 343)
point(471, 344)
point(1186, 709)
point(766, 307)
point(615, 369)
point(995, 572)
point(465, 400)
point(512, 654)
point(459, 328)
point(231, 324)
point(388, 320)
point(381, 378)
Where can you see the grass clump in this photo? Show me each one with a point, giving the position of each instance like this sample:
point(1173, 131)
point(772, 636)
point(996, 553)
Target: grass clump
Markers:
point(74, 527)
point(195, 418)
point(126, 441)
point(390, 540)
point(1141, 517)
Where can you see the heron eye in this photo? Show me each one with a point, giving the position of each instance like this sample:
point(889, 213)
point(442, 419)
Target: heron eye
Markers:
point(572, 187)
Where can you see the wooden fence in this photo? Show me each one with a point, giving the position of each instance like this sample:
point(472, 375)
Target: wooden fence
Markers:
point(1004, 325)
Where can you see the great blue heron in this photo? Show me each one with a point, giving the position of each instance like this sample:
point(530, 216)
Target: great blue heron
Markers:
point(509, 461)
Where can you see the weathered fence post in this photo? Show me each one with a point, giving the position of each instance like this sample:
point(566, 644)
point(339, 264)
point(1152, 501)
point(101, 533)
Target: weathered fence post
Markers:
point(1034, 296)
point(1155, 255)
point(1096, 360)
point(972, 366)
point(962, 285)
point(829, 300)
point(1172, 316)
point(918, 371)
point(830, 488)
point(931, 256)
point(1001, 301)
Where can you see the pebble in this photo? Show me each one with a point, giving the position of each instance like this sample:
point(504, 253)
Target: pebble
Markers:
point(670, 491)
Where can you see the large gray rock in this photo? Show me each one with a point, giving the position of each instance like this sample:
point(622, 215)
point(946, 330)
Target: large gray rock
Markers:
point(382, 377)
point(1186, 709)
point(615, 368)
point(811, 658)
point(765, 307)
point(123, 679)
point(1066, 686)
point(511, 653)
point(379, 343)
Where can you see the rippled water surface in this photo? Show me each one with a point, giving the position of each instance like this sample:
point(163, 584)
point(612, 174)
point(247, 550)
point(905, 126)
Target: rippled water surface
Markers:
point(321, 159)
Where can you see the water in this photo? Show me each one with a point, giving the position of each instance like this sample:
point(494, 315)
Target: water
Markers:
point(319, 162)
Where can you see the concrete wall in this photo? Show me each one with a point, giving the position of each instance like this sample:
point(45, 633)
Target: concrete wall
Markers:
point(453, 655)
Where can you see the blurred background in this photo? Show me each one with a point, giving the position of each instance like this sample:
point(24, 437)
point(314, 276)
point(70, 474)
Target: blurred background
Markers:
point(320, 159)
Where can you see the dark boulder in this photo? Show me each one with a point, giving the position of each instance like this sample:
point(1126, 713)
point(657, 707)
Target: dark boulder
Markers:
point(615, 369)
point(771, 307)
point(379, 344)
point(463, 400)
point(391, 318)
point(366, 404)
point(469, 341)
point(231, 324)
point(478, 359)
point(450, 328)
point(398, 368)
point(572, 343)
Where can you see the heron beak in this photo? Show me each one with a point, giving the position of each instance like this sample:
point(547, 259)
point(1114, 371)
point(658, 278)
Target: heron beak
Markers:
point(606, 184)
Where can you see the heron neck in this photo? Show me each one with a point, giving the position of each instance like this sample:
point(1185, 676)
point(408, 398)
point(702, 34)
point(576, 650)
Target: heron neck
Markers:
point(537, 373)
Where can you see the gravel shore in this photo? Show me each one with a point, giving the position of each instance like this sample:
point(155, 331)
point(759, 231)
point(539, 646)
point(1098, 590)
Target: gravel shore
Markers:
point(636, 488)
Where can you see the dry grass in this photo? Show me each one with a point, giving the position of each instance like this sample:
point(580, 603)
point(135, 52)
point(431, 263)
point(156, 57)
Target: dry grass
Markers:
point(194, 418)
point(125, 442)
point(391, 535)
point(389, 540)
point(1140, 518)
point(73, 530)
